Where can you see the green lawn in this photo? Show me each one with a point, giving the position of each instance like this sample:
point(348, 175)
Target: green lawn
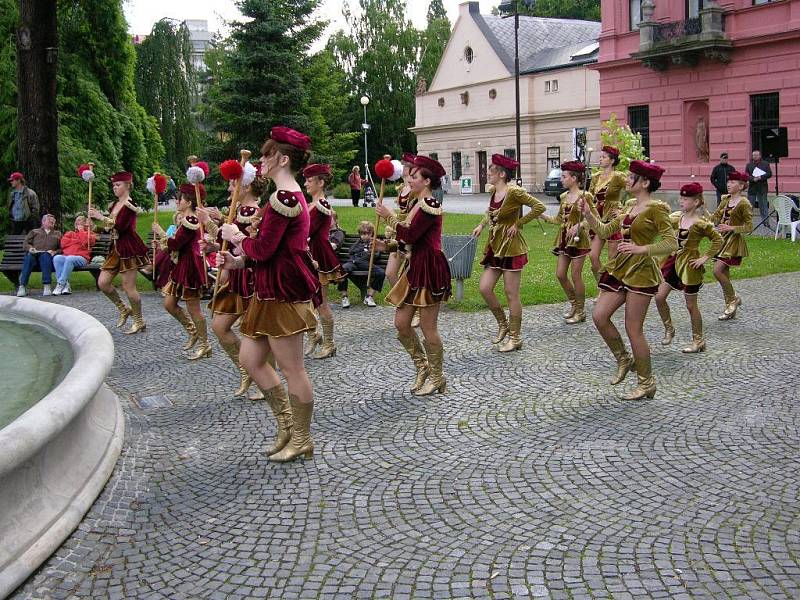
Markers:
point(539, 285)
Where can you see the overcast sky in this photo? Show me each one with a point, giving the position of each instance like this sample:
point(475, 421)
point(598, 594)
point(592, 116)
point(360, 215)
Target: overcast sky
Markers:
point(142, 14)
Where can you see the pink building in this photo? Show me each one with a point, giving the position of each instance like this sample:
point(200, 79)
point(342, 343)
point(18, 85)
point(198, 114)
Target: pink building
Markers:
point(698, 78)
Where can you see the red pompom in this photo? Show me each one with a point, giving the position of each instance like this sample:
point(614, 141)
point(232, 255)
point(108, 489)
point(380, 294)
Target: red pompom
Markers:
point(230, 169)
point(161, 183)
point(203, 165)
point(384, 169)
point(82, 168)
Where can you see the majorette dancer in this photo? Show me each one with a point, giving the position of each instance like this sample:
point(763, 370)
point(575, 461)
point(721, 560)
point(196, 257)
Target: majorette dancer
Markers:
point(606, 189)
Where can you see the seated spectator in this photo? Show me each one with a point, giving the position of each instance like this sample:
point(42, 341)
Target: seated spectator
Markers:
point(336, 235)
point(359, 261)
point(76, 251)
point(40, 245)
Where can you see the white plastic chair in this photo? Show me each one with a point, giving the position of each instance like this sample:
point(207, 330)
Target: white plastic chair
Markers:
point(783, 206)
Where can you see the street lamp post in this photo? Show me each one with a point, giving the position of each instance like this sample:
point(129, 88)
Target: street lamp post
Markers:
point(365, 127)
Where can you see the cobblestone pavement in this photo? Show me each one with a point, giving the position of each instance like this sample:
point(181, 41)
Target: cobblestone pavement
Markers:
point(530, 478)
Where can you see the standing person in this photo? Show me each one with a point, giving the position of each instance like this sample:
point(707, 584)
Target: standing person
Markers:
point(632, 276)
point(759, 186)
point(506, 251)
point(128, 252)
point(76, 251)
point(734, 219)
point(355, 181)
point(237, 286)
point(606, 188)
point(318, 179)
point(187, 279)
point(405, 202)
point(572, 242)
point(426, 282)
point(23, 205)
point(683, 270)
point(286, 290)
point(719, 176)
point(40, 245)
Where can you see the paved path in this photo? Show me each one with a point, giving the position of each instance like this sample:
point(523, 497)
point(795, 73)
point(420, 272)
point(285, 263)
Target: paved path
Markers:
point(528, 479)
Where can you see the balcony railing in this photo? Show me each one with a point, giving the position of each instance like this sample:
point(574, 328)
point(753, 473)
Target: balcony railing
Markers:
point(664, 32)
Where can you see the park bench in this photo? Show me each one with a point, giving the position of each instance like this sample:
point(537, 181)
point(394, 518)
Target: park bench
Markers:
point(359, 278)
point(14, 255)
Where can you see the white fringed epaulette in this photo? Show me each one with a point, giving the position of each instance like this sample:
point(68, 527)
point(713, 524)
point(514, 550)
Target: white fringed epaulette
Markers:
point(247, 214)
point(324, 207)
point(285, 203)
point(127, 202)
point(191, 222)
point(432, 206)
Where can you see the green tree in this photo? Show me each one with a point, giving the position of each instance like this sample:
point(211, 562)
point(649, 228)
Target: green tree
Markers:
point(434, 41)
point(259, 82)
point(165, 85)
point(588, 10)
point(620, 136)
point(380, 57)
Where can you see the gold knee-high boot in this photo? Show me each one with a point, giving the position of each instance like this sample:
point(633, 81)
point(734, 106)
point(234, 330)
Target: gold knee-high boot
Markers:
point(183, 318)
point(124, 311)
point(300, 442)
point(514, 341)
point(647, 383)
point(502, 324)
point(313, 339)
point(698, 342)
point(580, 313)
point(279, 403)
point(572, 306)
point(417, 353)
point(624, 360)
point(232, 350)
point(436, 381)
point(204, 349)
point(138, 320)
point(666, 319)
point(328, 348)
point(732, 302)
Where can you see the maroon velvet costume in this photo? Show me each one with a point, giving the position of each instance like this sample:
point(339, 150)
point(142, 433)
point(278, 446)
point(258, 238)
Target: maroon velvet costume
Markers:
point(128, 250)
point(188, 277)
point(329, 267)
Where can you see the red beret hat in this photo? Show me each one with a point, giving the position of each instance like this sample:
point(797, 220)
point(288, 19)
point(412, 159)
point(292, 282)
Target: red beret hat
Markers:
point(316, 170)
point(16, 175)
point(286, 135)
point(122, 176)
point(408, 158)
point(645, 169)
point(611, 150)
point(573, 165)
point(738, 176)
point(501, 160)
point(187, 189)
point(425, 162)
point(692, 189)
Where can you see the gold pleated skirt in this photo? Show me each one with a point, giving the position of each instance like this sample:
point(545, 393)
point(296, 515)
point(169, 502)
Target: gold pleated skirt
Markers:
point(277, 319)
point(116, 264)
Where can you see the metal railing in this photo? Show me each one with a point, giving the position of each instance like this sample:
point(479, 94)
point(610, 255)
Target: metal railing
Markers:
point(664, 32)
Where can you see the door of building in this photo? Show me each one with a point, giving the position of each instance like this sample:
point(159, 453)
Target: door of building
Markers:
point(481, 171)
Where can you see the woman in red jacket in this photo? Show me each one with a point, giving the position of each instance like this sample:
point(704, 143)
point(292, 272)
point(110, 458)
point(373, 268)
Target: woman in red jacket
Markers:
point(188, 278)
point(318, 178)
point(286, 291)
point(128, 252)
point(76, 251)
point(426, 282)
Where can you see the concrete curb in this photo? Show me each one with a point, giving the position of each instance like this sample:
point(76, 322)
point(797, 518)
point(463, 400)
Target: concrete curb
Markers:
point(56, 457)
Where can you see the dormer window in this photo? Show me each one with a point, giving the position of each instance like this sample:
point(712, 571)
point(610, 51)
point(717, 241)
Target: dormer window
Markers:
point(464, 98)
point(469, 56)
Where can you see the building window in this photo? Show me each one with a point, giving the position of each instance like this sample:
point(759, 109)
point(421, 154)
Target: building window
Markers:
point(554, 85)
point(492, 94)
point(464, 98)
point(441, 102)
point(456, 165)
point(547, 87)
point(693, 8)
point(510, 153)
point(469, 55)
point(764, 114)
point(757, 2)
point(636, 13)
point(639, 122)
point(434, 156)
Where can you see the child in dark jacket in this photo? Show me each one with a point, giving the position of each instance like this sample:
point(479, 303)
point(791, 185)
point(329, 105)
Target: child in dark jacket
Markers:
point(359, 261)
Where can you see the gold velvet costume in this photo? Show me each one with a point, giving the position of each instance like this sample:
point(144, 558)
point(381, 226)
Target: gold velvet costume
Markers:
point(508, 215)
point(740, 217)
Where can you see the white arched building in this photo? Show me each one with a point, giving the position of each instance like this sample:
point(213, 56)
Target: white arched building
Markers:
point(468, 111)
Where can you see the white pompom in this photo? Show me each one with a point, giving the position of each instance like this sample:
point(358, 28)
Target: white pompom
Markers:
point(195, 175)
point(87, 175)
point(398, 170)
point(249, 175)
point(151, 184)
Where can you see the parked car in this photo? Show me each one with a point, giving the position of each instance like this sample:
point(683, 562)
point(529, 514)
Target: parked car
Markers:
point(552, 185)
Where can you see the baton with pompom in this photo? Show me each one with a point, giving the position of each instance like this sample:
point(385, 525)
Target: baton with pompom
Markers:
point(195, 175)
point(86, 172)
point(156, 185)
point(244, 174)
point(385, 169)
